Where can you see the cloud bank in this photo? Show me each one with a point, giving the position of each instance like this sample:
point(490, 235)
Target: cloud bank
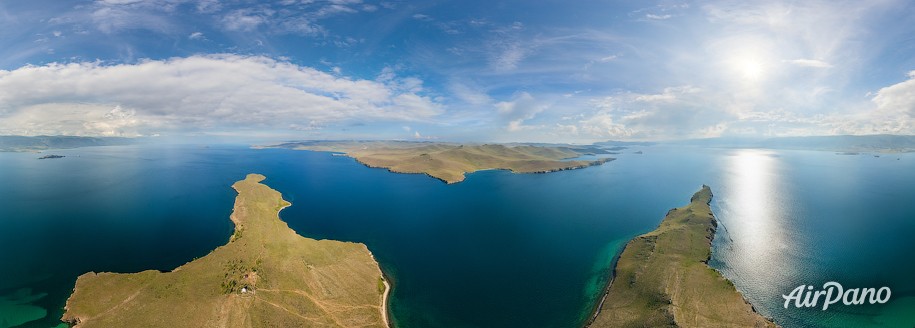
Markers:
point(198, 93)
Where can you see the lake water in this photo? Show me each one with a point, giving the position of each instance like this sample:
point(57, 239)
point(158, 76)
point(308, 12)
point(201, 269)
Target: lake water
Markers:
point(497, 250)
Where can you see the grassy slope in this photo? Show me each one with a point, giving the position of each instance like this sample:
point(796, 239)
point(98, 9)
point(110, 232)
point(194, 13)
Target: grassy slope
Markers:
point(448, 162)
point(298, 282)
point(662, 278)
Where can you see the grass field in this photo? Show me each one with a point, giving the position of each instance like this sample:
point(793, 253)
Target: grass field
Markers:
point(265, 276)
point(662, 279)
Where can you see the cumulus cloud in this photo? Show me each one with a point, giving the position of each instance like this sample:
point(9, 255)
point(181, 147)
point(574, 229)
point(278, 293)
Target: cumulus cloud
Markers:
point(895, 112)
point(196, 93)
point(522, 107)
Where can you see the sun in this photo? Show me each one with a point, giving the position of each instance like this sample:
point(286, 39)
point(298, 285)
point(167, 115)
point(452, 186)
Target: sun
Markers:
point(750, 68)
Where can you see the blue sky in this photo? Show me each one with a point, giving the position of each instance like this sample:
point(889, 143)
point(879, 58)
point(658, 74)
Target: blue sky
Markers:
point(544, 71)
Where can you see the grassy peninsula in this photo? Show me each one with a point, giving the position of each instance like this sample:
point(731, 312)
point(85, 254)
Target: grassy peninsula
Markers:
point(662, 279)
point(449, 162)
point(265, 276)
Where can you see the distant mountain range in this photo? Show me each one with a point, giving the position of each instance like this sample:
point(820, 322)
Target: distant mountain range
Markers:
point(38, 143)
point(614, 143)
point(845, 143)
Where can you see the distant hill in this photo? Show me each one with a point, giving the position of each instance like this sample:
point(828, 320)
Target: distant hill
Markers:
point(849, 143)
point(449, 161)
point(845, 143)
point(614, 143)
point(23, 143)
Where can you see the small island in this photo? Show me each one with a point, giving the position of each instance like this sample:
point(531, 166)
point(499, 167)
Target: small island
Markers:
point(265, 276)
point(51, 156)
point(449, 162)
point(662, 278)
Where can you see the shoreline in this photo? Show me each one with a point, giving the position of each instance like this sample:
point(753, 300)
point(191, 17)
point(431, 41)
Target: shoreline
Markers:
point(386, 294)
point(384, 301)
point(675, 250)
point(606, 290)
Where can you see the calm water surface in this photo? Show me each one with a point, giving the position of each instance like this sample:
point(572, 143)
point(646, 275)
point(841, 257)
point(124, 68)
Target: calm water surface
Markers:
point(497, 250)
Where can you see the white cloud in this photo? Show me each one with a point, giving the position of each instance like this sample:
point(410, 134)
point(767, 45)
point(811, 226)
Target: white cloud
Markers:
point(334, 9)
point(112, 19)
point(658, 17)
point(196, 36)
point(522, 107)
point(507, 47)
point(469, 94)
point(669, 95)
point(196, 93)
point(508, 56)
point(297, 17)
point(810, 63)
point(243, 20)
point(895, 112)
point(422, 17)
point(678, 112)
point(567, 129)
point(608, 58)
point(119, 2)
point(208, 6)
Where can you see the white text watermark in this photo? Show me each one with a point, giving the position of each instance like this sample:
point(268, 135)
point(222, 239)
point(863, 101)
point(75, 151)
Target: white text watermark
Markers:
point(832, 293)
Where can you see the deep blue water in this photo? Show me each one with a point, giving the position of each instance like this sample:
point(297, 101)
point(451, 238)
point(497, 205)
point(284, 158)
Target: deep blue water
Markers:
point(497, 250)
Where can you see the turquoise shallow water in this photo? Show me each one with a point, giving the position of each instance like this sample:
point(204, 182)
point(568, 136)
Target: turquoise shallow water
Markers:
point(496, 250)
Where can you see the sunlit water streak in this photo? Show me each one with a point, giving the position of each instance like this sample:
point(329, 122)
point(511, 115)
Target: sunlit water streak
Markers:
point(755, 206)
point(792, 218)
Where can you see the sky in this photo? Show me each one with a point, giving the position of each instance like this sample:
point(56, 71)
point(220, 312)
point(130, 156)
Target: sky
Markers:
point(482, 71)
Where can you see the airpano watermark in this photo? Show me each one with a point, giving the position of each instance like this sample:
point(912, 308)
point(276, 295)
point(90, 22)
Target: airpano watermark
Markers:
point(832, 293)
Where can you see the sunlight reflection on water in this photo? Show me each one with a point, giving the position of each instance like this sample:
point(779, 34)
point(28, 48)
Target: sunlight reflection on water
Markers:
point(754, 236)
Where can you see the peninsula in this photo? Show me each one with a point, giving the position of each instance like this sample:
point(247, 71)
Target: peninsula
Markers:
point(449, 162)
point(662, 278)
point(265, 276)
